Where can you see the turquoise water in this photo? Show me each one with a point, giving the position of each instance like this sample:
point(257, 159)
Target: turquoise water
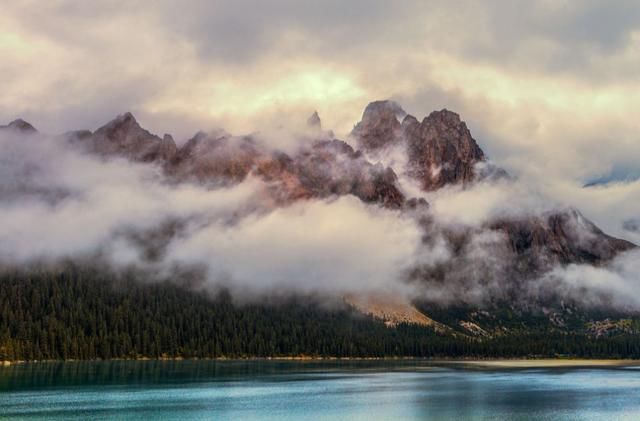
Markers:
point(313, 391)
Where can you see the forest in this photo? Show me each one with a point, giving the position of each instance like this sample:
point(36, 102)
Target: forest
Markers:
point(79, 313)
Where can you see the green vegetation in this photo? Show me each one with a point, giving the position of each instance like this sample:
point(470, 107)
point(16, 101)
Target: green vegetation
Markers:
point(80, 313)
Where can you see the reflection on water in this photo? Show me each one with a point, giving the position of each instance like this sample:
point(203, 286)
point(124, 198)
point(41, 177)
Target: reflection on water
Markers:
point(313, 390)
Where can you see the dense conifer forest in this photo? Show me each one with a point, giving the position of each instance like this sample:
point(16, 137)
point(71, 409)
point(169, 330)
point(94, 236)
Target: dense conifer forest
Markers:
point(79, 313)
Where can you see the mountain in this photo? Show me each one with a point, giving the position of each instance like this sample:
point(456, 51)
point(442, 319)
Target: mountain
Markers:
point(440, 152)
point(561, 237)
point(320, 168)
point(314, 121)
point(123, 136)
point(380, 126)
point(20, 126)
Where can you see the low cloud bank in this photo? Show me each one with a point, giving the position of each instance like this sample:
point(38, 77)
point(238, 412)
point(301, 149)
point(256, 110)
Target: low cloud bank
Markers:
point(58, 203)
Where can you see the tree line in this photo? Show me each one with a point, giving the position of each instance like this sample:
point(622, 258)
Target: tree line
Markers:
point(86, 313)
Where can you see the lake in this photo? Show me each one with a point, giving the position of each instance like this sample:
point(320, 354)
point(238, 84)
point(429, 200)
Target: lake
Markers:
point(315, 390)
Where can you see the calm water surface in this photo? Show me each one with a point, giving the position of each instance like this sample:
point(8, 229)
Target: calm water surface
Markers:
point(314, 391)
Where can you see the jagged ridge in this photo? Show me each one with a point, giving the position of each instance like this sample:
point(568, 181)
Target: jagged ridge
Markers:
point(440, 152)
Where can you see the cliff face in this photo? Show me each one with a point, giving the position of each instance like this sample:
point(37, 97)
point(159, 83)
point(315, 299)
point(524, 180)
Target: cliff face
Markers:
point(380, 126)
point(123, 136)
point(560, 237)
point(214, 158)
point(332, 167)
point(440, 150)
point(320, 168)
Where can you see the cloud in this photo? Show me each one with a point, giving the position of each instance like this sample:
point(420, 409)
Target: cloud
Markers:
point(615, 285)
point(56, 203)
point(341, 245)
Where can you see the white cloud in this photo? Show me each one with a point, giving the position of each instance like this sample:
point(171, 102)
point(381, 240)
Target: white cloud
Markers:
point(342, 245)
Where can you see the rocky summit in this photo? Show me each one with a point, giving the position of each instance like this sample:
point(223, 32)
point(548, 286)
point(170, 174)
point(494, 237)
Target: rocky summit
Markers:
point(440, 149)
point(19, 125)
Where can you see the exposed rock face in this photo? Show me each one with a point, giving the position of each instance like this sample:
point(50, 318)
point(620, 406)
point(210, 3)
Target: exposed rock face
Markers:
point(19, 125)
point(321, 169)
point(440, 150)
point(215, 158)
point(334, 168)
point(393, 310)
point(78, 136)
point(314, 121)
point(123, 136)
point(560, 237)
point(168, 148)
point(380, 126)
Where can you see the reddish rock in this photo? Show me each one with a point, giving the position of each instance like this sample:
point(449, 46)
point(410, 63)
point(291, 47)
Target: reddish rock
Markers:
point(380, 126)
point(334, 168)
point(560, 237)
point(215, 158)
point(123, 136)
point(441, 150)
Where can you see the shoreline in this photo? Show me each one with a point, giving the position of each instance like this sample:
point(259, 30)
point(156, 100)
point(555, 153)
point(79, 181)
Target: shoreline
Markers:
point(475, 362)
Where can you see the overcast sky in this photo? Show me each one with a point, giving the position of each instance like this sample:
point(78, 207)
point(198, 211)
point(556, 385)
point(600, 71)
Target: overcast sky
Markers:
point(550, 89)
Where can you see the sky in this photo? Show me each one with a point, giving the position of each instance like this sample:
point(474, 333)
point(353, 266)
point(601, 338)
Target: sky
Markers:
point(549, 89)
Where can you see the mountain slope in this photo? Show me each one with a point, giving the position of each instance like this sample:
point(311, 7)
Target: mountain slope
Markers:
point(440, 153)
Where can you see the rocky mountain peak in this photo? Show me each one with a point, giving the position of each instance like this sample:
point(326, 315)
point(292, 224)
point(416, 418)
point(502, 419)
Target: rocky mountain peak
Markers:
point(168, 147)
point(409, 120)
point(122, 125)
point(376, 109)
point(215, 158)
point(125, 137)
point(21, 126)
point(314, 121)
point(446, 117)
point(441, 150)
point(128, 117)
point(380, 125)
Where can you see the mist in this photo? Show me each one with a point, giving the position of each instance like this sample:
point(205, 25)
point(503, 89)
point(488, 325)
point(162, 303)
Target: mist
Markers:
point(58, 202)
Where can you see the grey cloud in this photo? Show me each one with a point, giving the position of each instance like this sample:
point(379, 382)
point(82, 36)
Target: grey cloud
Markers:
point(616, 284)
point(245, 30)
point(557, 37)
point(57, 203)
